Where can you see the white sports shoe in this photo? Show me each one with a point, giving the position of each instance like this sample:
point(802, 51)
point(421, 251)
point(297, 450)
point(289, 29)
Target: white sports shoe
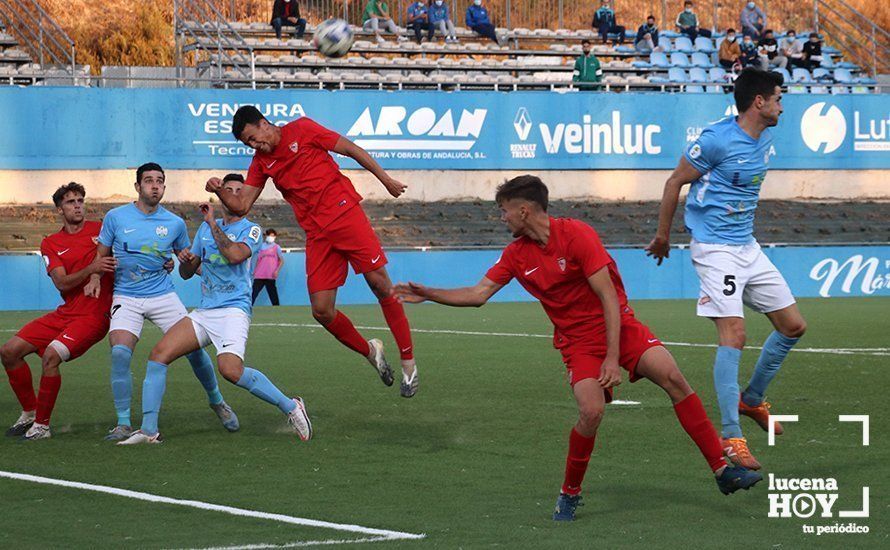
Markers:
point(409, 386)
point(298, 419)
point(22, 424)
point(37, 432)
point(378, 361)
point(139, 437)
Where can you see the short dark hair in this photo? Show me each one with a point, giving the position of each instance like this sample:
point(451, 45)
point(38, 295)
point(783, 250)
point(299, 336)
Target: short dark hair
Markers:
point(233, 177)
point(585, 41)
point(752, 83)
point(768, 31)
point(148, 167)
point(814, 35)
point(650, 16)
point(72, 187)
point(270, 231)
point(791, 31)
point(247, 114)
point(687, 3)
point(527, 187)
point(730, 30)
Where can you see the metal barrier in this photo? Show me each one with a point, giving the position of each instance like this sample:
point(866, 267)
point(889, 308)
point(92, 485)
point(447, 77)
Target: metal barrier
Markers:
point(46, 41)
point(861, 39)
point(215, 27)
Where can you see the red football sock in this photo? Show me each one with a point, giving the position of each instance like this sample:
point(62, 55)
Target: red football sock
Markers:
point(22, 385)
point(695, 421)
point(580, 448)
point(343, 329)
point(46, 397)
point(394, 313)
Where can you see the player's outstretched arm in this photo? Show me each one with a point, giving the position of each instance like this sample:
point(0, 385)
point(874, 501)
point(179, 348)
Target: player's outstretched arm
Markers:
point(470, 296)
point(233, 252)
point(188, 263)
point(684, 173)
point(239, 204)
point(350, 149)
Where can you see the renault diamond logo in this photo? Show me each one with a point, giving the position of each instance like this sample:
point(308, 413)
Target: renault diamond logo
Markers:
point(522, 123)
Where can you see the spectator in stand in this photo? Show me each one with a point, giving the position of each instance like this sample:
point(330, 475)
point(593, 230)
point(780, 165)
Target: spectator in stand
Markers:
point(647, 37)
point(587, 66)
point(604, 22)
point(687, 22)
point(751, 55)
point(441, 19)
point(479, 22)
point(270, 259)
point(376, 15)
point(812, 52)
point(286, 13)
point(792, 49)
point(419, 21)
point(753, 20)
point(769, 48)
point(729, 53)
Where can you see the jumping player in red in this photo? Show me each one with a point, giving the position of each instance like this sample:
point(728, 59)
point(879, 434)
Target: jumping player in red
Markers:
point(562, 263)
point(70, 330)
point(338, 233)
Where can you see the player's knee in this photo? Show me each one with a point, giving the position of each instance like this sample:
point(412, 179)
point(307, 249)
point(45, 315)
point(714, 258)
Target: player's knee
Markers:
point(50, 363)
point(796, 329)
point(591, 416)
point(8, 355)
point(161, 354)
point(231, 373)
point(734, 338)
point(676, 384)
point(324, 314)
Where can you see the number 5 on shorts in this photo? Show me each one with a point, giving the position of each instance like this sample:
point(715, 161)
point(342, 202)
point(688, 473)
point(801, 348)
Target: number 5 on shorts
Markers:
point(729, 283)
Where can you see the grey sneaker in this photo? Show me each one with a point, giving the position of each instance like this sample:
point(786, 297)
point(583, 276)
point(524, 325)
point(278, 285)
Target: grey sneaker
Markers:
point(22, 424)
point(227, 416)
point(378, 361)
point(141, 438)
point(408, 387)
point(119, 433)
point(37, 432)
point(298, 419)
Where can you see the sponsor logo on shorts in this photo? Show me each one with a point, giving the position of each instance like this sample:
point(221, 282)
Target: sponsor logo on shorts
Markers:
point(375, 260)
point(704, 300)
point(227, 344)
point(66, 337)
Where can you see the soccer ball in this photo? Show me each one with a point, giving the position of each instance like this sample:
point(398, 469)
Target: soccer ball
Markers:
point(333, 38)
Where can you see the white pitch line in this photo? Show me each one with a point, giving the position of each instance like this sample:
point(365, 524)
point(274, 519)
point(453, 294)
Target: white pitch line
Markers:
point(621, 402)
point(298, 544)
point(380, 534)
point(829, 351)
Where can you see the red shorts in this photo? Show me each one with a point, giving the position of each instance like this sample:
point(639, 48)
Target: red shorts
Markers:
point(349, 240)
point(76, 334)
point(583, 360)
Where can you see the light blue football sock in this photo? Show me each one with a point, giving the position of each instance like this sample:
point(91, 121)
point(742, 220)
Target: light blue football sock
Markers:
point(256, 383)
point(726, 382)
point(205, 373)
point(775, 349)
point(153, 388)
point(121, 382)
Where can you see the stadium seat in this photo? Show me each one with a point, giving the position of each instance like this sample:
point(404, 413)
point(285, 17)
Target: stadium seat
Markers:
point(697, 74)
point(799, 74)
point(830, 50)
point(839, 90)
point(827, 62)
point(847, 65)
point(695, 89)
point(625, 49)
point(702, 60)
point(820, 74)
point(717, 74)
point(669, 34)
point(664, 42)
point(659, 59)
point(843, 76)
point(676, 74)
point(683, 44)
point(784, 72)
point(679, 59)
point(704, 44)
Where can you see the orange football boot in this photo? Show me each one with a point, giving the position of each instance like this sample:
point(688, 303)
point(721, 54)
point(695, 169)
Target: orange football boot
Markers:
point(736, 450)
point(760, 414)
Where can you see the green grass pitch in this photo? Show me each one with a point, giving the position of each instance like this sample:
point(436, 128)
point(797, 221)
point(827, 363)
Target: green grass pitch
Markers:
point(475, 459)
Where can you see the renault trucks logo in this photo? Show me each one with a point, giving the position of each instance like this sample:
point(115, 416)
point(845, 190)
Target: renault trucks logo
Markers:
point(522, 123)
point(820, 126)
point(394, 128)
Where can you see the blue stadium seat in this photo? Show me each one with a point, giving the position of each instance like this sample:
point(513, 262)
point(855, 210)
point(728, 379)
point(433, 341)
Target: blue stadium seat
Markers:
point(695, 89)
point(799, 74)
point(821, 74)
point(843, 76)
point(819, 90)
point(704, 44)
point(683, 44)
point(625, 49)
point(830, 50)
point(669, 34)
point(784, 73)
point(664, 42)
point(698, 75)
point(679, 59)
point(717, 74)
point(702, 60)
point(839, 90)
point(828, 62)
point(867, 80)
point(676, 74)
point(847, 65)
point(659, 59)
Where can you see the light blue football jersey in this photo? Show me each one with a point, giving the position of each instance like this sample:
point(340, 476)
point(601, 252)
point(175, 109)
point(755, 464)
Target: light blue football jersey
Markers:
point(721, 203)
point(224, 284)
point(142, 243)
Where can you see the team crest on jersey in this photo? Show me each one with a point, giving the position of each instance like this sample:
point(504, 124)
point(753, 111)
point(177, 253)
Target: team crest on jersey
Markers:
point(231, 236)
point(561, 263)
point(255, 233)
point(95, 240)
point(294, 146)
point(161, 231)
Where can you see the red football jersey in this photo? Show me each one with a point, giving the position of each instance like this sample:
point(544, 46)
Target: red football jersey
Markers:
point(557, 276)
point(75, 252)
point(307, 176)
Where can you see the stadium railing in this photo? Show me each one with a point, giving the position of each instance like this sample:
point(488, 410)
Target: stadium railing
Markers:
point(46, 42)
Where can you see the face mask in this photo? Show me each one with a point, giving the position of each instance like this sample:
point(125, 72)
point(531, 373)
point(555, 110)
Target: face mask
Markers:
point(750, 5)
point(478, 2)
point(438, 2)
point(688, 10)
point(790, 39)
point(270, 239)
point(731, 38)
